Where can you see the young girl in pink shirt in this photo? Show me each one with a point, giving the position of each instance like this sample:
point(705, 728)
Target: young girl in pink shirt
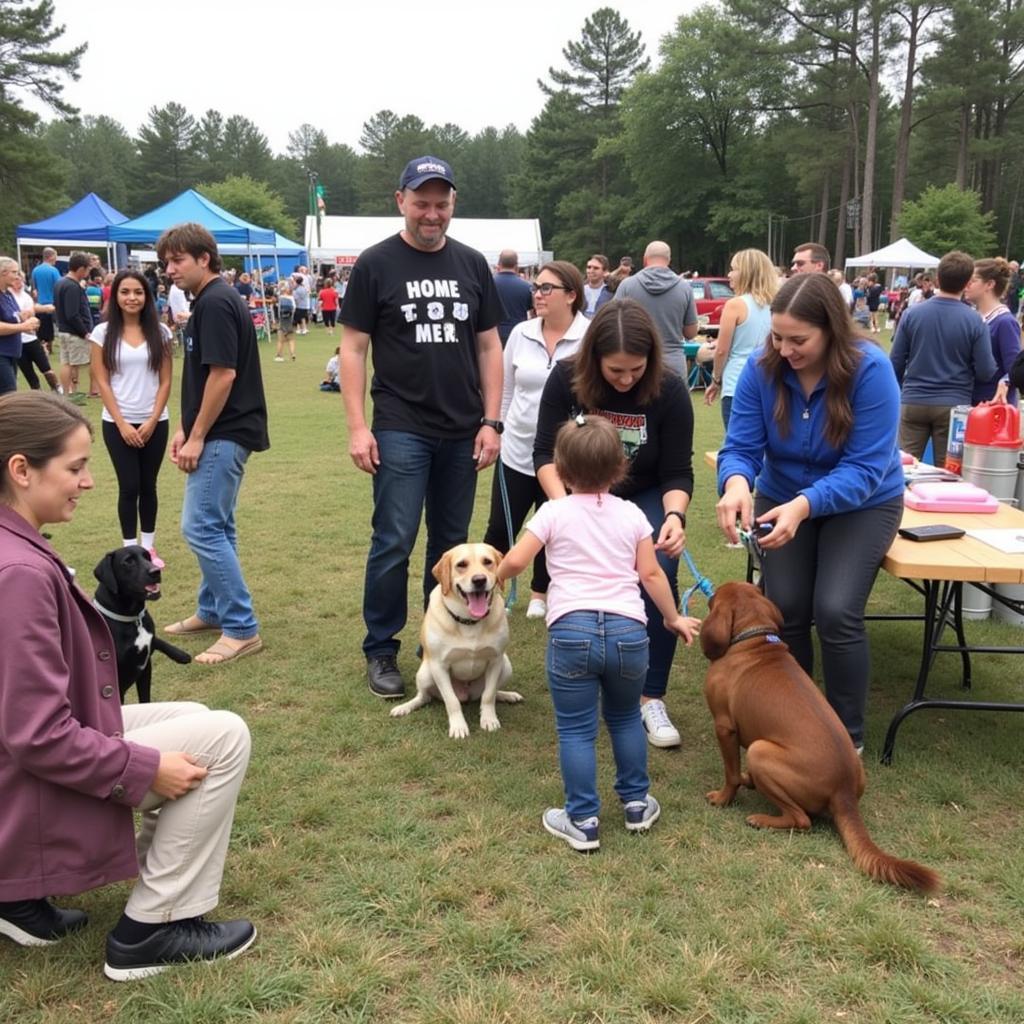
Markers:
point(598, 549)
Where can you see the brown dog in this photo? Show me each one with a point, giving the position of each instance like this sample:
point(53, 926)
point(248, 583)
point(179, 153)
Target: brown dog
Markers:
point(464, 636)
point(799, 755)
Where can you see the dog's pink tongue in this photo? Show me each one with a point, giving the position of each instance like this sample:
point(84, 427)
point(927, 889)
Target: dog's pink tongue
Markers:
point(478, 606)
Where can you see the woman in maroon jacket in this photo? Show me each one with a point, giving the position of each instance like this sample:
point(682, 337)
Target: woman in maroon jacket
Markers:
point(73, 763)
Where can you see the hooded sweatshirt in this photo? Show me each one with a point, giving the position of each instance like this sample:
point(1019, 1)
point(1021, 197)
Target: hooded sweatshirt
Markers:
point(668, 299)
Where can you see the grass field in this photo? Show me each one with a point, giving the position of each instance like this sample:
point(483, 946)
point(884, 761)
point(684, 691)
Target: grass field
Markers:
point(398, 876)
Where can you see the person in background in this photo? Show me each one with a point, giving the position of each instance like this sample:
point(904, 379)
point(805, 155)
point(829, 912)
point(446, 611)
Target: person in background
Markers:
point(328, 298)
point(810, 258)
point(668, 300)
point(301, 296)
point(286, 322)
point(94, 294)
point(873, 294)
point(844, 287)
point(73, 319)
point(595, 291)
point(44, 277)
point(131, 365)
point(12, 325)
point(33, 354)
point(941, 352)
point(813, 426)
point(987, 289)
point(745, 324)
point(533, 349)
point(331, 381)
point(618, 373)
point(515, 293)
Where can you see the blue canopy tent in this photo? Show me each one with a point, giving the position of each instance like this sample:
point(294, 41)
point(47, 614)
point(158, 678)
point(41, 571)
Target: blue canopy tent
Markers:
point(88, 220)
point(193, 207)
point(225, 227)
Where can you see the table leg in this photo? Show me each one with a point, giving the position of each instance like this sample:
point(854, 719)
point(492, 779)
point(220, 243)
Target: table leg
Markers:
point(961, 638)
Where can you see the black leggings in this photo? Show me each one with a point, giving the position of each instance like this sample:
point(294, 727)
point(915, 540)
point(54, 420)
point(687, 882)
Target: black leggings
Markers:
point(329, 316)
point(826, 573)
point(137, 470)
point(32, 355)
point(524, 493)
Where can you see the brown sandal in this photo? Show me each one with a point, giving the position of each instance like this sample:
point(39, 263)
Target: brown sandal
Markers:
point(225, 652)
point(182, 627)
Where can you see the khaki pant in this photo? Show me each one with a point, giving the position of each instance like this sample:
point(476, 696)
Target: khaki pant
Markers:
point(921, 423)
point(182, 843)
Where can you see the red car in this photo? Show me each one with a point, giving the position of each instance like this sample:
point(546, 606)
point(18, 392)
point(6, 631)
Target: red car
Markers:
point(710, 294)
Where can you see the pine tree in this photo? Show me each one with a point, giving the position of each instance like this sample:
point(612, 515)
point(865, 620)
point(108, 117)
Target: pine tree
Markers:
point(31, 181)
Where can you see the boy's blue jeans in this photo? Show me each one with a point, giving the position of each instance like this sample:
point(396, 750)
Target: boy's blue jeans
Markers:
point(592, 656)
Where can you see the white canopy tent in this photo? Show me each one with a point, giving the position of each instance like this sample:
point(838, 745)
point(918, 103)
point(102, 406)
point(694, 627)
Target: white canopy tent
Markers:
point(901, 253)
point(342, 239)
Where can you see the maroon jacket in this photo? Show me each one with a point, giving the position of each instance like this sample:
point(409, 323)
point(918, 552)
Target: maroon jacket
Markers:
point(68, 780)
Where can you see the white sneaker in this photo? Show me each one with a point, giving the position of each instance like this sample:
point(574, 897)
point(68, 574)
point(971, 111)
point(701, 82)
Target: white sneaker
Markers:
point(278, 359)
point(660, 730)
point(537, 608)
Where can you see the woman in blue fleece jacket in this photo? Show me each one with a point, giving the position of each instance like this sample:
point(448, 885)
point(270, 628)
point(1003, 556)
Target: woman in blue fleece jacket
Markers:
point(814, 425)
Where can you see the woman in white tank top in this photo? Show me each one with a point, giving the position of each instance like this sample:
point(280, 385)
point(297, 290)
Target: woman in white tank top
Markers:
point(746, 321)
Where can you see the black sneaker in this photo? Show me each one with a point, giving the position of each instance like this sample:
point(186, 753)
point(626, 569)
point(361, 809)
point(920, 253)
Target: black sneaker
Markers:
point(383, 676)
point(38, 922)
point(180, 942)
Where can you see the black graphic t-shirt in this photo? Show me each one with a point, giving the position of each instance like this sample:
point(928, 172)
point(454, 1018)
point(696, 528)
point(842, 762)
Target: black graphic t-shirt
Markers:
point(657, 438)
point(220, 333)
point(423, 311)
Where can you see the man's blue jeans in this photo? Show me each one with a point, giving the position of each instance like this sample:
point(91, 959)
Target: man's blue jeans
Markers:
point(663, 642)
point(8, 374)
point(414, 471)
point(592, 654)
point(208, 526)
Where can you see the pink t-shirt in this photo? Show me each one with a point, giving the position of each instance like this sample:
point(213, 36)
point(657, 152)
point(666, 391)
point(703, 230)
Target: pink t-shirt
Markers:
point(590, 543)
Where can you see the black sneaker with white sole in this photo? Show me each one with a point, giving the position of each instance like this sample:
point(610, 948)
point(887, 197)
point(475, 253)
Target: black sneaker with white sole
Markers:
point(38, 922)
point(383, 676)
point(192, 940)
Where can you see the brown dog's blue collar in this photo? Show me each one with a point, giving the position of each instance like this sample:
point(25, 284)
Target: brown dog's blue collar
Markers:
point(768, 632)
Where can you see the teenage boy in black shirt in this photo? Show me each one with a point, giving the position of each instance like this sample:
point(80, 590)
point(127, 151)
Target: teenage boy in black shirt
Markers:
point(223, 419)
point(432, 309)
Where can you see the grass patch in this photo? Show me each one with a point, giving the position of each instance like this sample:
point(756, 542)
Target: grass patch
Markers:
point(397, 876)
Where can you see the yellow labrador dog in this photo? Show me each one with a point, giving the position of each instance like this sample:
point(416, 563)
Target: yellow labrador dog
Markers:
point(464, 636)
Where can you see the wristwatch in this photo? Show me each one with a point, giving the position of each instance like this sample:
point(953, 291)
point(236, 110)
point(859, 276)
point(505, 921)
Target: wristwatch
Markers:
point(681, 515)
point(717, 381)
point(496, 425)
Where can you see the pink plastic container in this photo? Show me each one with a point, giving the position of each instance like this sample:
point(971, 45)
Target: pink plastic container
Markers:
point(950, 497)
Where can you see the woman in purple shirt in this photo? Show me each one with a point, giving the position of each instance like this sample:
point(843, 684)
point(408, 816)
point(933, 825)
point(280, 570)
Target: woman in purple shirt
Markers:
point(73, 762)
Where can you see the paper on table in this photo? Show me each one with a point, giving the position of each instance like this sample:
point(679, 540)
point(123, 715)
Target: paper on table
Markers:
point(1010, 542)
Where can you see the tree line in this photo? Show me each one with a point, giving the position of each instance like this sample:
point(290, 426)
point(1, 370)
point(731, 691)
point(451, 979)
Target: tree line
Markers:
point(756, 123)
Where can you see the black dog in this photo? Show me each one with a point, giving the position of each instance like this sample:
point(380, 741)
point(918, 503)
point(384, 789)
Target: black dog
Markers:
point(128, 579)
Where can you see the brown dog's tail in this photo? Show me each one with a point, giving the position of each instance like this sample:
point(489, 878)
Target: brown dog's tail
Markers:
point(876, 863)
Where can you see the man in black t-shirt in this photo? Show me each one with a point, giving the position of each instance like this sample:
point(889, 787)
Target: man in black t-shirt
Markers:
point(431, 308)
point(223, 419)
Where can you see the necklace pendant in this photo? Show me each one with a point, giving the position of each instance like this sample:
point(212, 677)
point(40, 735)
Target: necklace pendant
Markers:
point(807, 412)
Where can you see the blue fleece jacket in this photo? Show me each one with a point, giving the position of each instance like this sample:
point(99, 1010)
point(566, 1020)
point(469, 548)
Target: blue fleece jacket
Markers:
point(865, 472)
point(940, 351)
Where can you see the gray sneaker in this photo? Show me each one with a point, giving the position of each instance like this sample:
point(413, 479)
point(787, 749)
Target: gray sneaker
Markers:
point(580, 835)
point(642, 814)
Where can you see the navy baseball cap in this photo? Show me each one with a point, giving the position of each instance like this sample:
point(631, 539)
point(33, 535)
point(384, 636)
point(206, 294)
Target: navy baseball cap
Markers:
point(423, 169)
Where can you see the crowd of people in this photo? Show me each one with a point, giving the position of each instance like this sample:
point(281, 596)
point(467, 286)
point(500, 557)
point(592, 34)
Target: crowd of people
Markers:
point(574, 386)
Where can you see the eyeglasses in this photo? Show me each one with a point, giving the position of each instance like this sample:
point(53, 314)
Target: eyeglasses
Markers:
point(594, 266)
point(547, 289)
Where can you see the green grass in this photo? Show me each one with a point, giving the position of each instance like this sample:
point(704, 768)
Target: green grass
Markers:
point(398, 876)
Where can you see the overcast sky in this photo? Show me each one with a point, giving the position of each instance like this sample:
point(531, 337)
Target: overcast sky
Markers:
point(473, 62)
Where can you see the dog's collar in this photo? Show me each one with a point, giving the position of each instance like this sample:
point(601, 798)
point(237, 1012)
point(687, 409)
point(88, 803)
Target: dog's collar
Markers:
point(769, 632)
point(459, 618)
point(107, 613)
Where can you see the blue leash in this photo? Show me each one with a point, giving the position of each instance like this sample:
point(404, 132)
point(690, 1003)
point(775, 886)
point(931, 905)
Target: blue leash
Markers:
point(500, 470)
point(703, 584)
